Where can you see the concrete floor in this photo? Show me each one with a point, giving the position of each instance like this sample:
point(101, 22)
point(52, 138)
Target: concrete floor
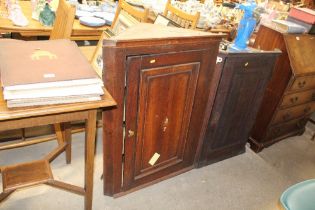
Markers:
point(246, 182)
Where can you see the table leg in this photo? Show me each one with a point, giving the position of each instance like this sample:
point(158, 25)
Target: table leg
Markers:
point(63, 134)
point(90, 129)
point(67, 137)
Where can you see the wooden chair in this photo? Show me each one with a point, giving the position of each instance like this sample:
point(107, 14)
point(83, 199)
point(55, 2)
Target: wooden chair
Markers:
point(90, 52)
point(182, 18)
point(141, 16)
point(218, 2)
point(64, 21)
point(62, 29)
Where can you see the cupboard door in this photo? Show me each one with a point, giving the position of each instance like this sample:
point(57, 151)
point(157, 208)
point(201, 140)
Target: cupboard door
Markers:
point(239, 94)
point(159, 104)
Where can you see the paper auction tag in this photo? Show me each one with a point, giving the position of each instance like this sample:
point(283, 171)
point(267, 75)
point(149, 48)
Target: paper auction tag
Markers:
point(154, 158)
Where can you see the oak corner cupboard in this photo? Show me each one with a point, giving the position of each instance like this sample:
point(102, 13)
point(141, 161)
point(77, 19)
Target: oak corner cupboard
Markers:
point(162, 79)
point(289, 98)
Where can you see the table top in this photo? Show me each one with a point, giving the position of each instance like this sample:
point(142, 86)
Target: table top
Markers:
point(79, 32)
point(23, 112)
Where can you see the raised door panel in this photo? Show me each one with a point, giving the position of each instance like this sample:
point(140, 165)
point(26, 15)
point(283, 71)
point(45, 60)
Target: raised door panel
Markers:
point(164, 111)
point(239, 95)
point(158, 110)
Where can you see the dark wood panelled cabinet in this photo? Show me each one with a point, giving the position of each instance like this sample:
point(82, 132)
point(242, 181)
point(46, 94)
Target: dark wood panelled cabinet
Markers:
point(162, 79)
point(290, 95)
point(244, 76)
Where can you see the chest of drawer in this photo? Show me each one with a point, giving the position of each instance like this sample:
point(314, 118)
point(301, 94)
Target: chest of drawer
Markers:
point(303, 83)
point(298, 98)
point(284, 115)
point(291, 126)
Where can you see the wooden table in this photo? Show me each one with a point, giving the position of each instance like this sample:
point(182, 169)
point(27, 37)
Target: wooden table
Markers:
point(39, 172)
point(79, 32)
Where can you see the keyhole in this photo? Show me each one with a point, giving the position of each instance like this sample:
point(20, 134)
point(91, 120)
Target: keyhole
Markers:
point(165, 123)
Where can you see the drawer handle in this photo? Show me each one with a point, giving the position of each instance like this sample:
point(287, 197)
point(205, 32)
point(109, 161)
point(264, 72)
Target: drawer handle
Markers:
point(286, 116)
point(307, 109)
point(301, 84)
point(294, 99)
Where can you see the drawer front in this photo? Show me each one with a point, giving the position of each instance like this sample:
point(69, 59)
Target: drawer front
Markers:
point(303, 83)
point(286, 128)
point(285, 115)
point(298, 98)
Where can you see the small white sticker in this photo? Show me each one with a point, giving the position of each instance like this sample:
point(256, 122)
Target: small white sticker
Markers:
point(154, 158)
point(219, 60)
point(49, 75)
point(297, 38)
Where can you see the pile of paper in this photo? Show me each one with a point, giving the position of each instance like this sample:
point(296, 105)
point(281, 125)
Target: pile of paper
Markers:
point(46, 72)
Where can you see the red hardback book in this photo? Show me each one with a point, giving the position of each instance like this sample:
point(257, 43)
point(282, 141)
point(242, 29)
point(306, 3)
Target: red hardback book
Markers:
point(304, 14)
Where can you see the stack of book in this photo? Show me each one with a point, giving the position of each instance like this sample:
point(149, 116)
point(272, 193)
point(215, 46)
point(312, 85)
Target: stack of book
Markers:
point(300, 20)
point(304, 17)
point(46, 72)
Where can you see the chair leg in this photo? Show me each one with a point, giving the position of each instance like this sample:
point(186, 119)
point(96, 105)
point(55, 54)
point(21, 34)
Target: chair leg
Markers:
point(63, 134)
point(66, 128)
point(4, 195)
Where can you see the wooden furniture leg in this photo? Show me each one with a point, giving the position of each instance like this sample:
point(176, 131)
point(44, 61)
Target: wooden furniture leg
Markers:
point(25, 174)
point(4, 195)
point(66, 129)
point(63, 134)
point(90, 129)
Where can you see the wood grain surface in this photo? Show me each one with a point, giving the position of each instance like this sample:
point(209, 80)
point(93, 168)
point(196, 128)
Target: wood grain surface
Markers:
point(79, 32)
point(14, 113)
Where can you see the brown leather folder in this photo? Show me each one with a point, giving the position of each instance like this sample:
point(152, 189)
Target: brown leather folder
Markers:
point(42, 62)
